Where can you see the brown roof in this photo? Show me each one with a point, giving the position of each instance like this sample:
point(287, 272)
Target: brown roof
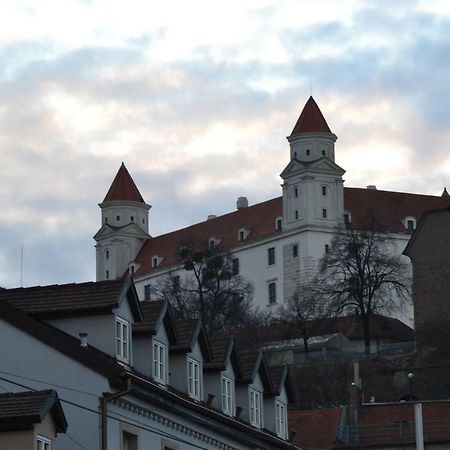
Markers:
point(389, 209)
point(311, 120)
point(152, 312)
point(23, 409)
point(123, 188)
point(316, 429)
point(68, 299)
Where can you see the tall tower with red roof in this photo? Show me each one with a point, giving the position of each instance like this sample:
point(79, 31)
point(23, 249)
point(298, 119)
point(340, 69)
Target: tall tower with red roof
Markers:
point(124, 227)
point(313, 195)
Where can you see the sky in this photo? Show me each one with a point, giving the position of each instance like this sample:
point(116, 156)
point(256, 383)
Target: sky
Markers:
point(197, 99)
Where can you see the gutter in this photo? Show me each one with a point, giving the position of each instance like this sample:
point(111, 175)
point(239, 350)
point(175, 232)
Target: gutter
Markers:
point(104, 410)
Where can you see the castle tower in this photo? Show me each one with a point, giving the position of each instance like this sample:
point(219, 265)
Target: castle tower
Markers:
point(313, 195)
point(124, 227)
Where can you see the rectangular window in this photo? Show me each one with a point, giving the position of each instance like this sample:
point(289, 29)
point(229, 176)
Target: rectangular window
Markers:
point(281, 420)
point(296, 214)
point(327, 248)
point(122, 340)
point(159, 362)
point(176, 283)
point(295, 192)
point(272, 293)
point(324, 190)
point(271, 256)
point(43, 443)
point(147, 292)
point(194, 379)
point(295, 251)
point(129, 441)
point(279, 224)
point(410, 225)
point(324, 213)
point(235, 268)
point(155, 262)
point(255, 408)
point(227, 396)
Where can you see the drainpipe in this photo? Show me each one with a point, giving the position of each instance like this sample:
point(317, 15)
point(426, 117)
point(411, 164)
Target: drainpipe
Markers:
point(104, 406)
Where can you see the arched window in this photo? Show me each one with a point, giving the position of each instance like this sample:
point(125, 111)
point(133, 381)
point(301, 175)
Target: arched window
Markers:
point(308, 152)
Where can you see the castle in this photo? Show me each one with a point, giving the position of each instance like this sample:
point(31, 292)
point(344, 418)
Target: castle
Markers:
point(275, 244)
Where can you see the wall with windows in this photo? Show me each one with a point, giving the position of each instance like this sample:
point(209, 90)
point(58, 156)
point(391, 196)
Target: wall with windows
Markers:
point(243, 397)
point(272, 419)
point(213, 385)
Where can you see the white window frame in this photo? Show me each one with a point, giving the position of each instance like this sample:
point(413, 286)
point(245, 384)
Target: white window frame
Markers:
point(122, 340)
point(271, 257)
point(159, 362)
point(281, 419)
point(227, 395)
point(272, 284)
point(193, 378)
point(43, 443)
point(255, 412)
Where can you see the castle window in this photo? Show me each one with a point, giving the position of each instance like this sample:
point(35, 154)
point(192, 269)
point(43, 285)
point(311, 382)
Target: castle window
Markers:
point(132, 270)
point(212, 244)
point(143, 220)
point(295, 251)
point(324, 213)
point(324, 190)
point(323, 152)
point(410, 225)
point(272, 292)
point(107, 254)
point(117, 218)
point(235, 266)
point(308, 152)
point(106, 220)
point(409, 222)
point(155, 262)
point(132, 218)
point(147, 292)
point(107, 274)
point(295, 154)
point(296, 214)
point(271, 256)
point(295, 192)
point(176, 283)
point(327, 248)
point(241, 235)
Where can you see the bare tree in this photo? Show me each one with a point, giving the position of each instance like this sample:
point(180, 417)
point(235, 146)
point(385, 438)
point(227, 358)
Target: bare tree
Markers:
point(210, 288)
point(362, 270)
point(303, 312)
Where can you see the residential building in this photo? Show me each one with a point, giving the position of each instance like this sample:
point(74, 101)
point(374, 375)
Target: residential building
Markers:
point(31, 420)
point(130, 376)
point(275, 244)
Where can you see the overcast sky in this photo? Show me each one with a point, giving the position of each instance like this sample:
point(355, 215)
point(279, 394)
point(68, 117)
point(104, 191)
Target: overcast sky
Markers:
point(197, 97)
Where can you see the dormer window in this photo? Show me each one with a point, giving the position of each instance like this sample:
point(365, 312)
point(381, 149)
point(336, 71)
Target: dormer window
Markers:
point(255, 408)
point(279, 224)
point(122, 340)
point(227, 396)
point(193, 379)
point(409, 223)
point(243, 233)
point(347, 218)
point(159, 362)
point(213, 242)
point(281, 420)
point(155, 262)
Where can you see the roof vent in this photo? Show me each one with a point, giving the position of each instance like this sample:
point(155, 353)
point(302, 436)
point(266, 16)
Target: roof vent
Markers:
point(211, 216)
point(372, 187)
point(83, 339)
point(242, 202)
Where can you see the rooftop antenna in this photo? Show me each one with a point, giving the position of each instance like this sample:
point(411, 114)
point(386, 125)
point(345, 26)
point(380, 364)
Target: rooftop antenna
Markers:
point(21, 265)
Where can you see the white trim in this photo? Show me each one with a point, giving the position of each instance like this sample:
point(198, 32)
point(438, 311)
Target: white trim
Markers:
point(255, 408)
point(194, 378)
point(281, 420)
point(159, 362)
point(43, 443)
point(122, 340)
point(227, 395)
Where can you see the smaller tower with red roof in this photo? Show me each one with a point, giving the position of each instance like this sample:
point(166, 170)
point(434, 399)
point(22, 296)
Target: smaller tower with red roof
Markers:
point(124, 227)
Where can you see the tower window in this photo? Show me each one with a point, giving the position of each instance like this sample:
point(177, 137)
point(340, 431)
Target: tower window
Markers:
point(295, 251)
point(106, 220)
point(296, 214)
point(323, 152)
point(308, 152)
point(324, 213)
point(295, 192)
point(107, 274)
point(327, 248)
point(143, 220)
point(132, 218)
point(295, 154)
point(279, 224)
point(324, 190)
point(107, 254)
point(117, 218)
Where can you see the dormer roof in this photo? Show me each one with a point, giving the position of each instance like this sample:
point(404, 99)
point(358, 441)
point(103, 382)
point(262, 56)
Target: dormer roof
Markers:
point(224, 350)
point(311, 120)
point(123, 188)
point(189, 331)
point(253, 363)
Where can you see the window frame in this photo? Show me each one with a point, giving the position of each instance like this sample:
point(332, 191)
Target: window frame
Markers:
point(45, 441)
point(122, 343)
point(324, 213)
point(193, 383)
point(272, 292)
point(227, 395)
point(235, 266)
point(159, 364)
point(271, 259)
point(255, 408)
point(147, 292)
point(281, 419)
point(294, 250)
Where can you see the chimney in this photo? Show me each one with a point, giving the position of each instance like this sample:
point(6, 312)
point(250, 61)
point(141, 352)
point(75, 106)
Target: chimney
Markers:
point(242, 202)
point(211, 216)
point(372, 187)
point(83, 339)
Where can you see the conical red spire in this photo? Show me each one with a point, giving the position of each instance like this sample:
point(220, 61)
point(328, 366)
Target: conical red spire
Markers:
point(311, 120)
point(123, 188)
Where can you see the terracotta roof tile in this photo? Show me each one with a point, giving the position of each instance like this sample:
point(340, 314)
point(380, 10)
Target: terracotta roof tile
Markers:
point(316, 429)
point(64, 298)
point(185, 331)
point(123, 188)
point(152, 312)
point(389, 209)
point(311, 120)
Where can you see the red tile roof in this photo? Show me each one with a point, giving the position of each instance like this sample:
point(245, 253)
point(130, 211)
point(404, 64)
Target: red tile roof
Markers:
point(311, 120)
point(123, 188)
point(389, 209)
point(316, 429)
point(152, 311)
